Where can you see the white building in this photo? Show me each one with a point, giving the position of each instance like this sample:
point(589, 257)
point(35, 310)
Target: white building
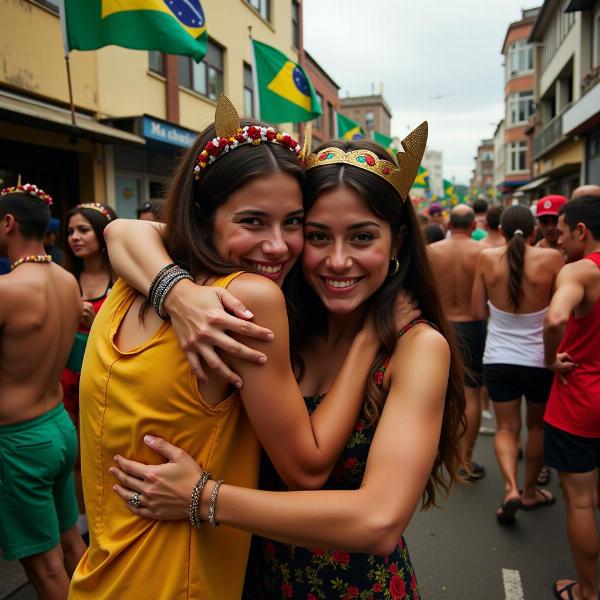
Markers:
point(433, 162)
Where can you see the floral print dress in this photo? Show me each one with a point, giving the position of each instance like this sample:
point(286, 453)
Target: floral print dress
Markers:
point(280, 571)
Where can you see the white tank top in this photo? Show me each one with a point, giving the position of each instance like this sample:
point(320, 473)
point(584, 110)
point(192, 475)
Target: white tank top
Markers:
point(515, 339)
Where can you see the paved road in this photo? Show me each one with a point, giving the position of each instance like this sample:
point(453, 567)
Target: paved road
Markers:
point(459, 552)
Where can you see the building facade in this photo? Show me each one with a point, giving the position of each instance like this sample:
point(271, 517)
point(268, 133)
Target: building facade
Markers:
point(482, 182)
point(136, 111)
point(562, 59)
point(519, 84)
point(434, 163)
point(328, 93)
point(372, 113)
point(582, 118)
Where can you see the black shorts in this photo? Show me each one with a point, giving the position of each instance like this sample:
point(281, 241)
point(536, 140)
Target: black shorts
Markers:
point(470, 336)
point(510, 382)
point(570, 453)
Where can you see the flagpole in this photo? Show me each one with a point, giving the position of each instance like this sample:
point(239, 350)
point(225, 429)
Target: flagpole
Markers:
point(63, 27)
point(255, 98)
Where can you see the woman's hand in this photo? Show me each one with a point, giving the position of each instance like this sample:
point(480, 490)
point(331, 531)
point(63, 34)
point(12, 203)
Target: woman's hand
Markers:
point(165, 490)
point(201, 323)
point(88, 315)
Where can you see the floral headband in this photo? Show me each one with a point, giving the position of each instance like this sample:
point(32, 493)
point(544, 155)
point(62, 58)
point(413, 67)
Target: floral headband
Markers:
point(28, 188)
point(96, 206)
point(231, 135)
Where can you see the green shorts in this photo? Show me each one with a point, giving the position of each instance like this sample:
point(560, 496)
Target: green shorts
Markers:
point(37, 493)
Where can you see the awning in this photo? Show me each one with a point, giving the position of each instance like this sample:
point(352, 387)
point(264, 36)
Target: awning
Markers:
point(532, 185)
point(19, 109)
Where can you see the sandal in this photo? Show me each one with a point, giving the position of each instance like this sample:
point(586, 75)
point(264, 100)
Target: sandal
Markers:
point(507, 511)
point(547, 500)
point(558, 593)
point(544, 476)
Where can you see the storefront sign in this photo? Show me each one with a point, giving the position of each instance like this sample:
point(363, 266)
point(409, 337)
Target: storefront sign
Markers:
point(166, 133)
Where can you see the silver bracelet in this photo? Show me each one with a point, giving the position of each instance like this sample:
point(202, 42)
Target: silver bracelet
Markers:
point(212, 504)
point(177, 277)
point(195, 520)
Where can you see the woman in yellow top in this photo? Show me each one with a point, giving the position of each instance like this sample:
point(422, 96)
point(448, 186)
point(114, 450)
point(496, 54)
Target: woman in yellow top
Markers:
point(362, 244)
point(241, 209)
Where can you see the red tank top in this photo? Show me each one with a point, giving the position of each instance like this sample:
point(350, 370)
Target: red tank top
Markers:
point(575, 407)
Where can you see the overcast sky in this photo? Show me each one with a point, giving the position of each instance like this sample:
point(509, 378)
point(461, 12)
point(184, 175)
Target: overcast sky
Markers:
point(420, 49)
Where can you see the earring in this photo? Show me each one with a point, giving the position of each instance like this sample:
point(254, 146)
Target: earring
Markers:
point(396, 266)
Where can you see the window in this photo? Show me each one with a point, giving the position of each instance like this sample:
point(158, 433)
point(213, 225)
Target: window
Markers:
point(319, 120)
point(248, 91)
point(516, 156)
point(262, 7)
point(205, 77)
point(520, 58)
point(596, 60)
point(156, 62)
point(296, 23)
point(520, 108)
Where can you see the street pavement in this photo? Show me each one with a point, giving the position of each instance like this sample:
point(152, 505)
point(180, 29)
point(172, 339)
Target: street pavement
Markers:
point(459, 551)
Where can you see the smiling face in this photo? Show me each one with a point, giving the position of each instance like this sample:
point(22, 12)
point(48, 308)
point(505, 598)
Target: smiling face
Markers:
point(347, 250)
point(81, 237)
point(259, 227)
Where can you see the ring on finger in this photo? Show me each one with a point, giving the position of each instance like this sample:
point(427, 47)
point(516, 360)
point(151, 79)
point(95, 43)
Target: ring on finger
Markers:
point(135, 500)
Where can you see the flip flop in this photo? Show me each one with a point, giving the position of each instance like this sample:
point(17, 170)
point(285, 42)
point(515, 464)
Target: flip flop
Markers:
point(508, 510)
point(566, 588)
point(548, 500)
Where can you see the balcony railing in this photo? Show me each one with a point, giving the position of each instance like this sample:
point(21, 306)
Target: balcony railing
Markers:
point(549, 135)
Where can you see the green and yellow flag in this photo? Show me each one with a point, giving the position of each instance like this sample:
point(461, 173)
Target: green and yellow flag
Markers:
point(386, 142)
point(171, 26)
point(422, 178)
point(285, 92)
point(448, 189)
point(347, 129)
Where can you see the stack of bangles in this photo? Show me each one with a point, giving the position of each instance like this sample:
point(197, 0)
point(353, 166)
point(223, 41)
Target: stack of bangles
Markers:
point(195, 519)
point(162, 284)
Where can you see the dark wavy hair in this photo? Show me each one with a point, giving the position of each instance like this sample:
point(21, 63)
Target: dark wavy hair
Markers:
point(415, 275)
point(514, 219)
point(191, 205)
point(98, 222)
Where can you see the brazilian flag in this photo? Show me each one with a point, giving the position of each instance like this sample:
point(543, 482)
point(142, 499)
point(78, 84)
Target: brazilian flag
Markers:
point(171, 26)
point(285, 92)
point(386, 142)
point(347, 129)
point(448, 189)
point(422, 178)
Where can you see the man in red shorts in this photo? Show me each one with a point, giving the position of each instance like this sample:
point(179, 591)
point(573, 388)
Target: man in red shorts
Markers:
point(572, 418)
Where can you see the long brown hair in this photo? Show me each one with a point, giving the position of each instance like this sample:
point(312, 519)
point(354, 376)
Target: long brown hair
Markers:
point(517, 225)
point(191, 205)
point(415, 275)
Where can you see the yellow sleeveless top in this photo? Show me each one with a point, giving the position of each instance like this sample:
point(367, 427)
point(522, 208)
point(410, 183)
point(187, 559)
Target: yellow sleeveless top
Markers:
point(152, 389)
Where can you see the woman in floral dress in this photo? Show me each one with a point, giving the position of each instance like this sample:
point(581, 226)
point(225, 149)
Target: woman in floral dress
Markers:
point(362, 245)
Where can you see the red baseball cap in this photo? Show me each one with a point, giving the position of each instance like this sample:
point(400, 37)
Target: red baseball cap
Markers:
point(550, 205)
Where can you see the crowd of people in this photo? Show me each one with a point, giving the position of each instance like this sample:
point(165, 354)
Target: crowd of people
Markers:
point(268, 353)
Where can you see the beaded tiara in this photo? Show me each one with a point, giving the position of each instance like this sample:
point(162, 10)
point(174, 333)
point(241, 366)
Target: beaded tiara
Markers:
point(230, 135)
point(401, 176)
point(98, 207)
point(28, 188)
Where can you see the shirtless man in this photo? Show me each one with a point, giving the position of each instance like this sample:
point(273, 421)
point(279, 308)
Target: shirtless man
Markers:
point(547, 217)
point(453, 261)
point(40, 308)
point(572, 418)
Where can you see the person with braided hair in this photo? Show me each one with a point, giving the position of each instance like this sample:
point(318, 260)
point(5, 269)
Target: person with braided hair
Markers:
point(513, 286)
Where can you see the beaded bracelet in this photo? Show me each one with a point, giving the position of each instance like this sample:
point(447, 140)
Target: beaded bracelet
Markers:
point(195, 520)
point(212, 504)
point(159, 276)
point(173, 278)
